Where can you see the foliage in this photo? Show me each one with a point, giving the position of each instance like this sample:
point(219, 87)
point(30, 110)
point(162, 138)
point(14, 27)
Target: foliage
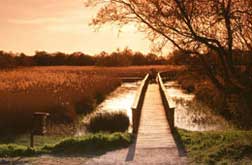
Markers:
point(109, 122)
point(204, 90)
point(178, 57)
point(6, 60)
point(118, 58)
point(196, 27)
point(79, 145)
point(226, 147)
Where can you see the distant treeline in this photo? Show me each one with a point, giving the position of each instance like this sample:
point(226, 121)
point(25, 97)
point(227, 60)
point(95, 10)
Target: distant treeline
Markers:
point(181, 58)
point(41, 58)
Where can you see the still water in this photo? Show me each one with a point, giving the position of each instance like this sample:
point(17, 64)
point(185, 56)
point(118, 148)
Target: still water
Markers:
point(190, 114)
point(196, 117)
point(121, 99)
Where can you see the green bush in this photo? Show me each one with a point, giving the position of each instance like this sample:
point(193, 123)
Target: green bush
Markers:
point(109, 122)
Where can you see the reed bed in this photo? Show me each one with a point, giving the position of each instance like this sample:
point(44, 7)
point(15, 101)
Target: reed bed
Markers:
point(63, 94)
point(62, 91)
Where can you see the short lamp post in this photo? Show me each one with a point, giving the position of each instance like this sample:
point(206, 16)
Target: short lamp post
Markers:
point(39, 125)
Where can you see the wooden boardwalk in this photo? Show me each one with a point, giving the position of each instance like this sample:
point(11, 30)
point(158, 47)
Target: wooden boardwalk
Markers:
point(154, 130)
point(154, 143)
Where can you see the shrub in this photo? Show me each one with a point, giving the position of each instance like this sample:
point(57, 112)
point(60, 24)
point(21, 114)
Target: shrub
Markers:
point(109, 122)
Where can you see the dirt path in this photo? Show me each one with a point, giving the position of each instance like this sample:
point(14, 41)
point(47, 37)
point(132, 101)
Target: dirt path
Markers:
point(118, 157)
point(140, 156)
point(45, 160)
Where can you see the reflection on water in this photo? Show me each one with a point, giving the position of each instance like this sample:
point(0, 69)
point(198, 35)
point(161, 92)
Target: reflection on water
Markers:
point(175, 92)
point(189, 114)
point(121, 99)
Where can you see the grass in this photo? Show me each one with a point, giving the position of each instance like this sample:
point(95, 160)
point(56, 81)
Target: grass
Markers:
point(80, 145)
point(130, 71)
point(24, 139)
point(109, 122)
point(218, 147)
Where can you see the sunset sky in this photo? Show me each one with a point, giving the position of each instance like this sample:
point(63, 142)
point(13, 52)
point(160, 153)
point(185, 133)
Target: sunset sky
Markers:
point(60, 25)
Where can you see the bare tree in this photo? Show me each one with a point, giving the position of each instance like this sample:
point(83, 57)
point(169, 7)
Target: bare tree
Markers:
point(193, 26)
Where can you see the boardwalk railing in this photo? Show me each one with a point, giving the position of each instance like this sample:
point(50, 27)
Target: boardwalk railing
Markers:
point(169, 110)
point(138, 103)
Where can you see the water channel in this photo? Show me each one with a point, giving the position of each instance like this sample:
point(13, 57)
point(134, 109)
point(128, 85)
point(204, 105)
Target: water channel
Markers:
point(191, 114)
point(186, 117)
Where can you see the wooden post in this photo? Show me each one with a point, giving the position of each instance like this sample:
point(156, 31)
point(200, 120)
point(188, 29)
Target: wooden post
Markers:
point(172, 117)
point(32, 140)
point(38, 125)
point(134, 120)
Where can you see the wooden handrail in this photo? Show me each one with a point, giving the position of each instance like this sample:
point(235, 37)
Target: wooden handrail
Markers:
point(169, 110)
point(138, 103)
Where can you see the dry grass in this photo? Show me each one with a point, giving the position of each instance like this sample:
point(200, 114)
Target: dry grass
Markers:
point(62, 94)
point(61, 91)
point(111, 71)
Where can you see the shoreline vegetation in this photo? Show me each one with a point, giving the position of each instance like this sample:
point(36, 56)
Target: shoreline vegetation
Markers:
point(64, 92)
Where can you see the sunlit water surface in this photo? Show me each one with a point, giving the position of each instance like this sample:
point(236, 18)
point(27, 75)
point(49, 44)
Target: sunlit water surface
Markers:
point(197, 118)
point(121, 99)
point(186, 118)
